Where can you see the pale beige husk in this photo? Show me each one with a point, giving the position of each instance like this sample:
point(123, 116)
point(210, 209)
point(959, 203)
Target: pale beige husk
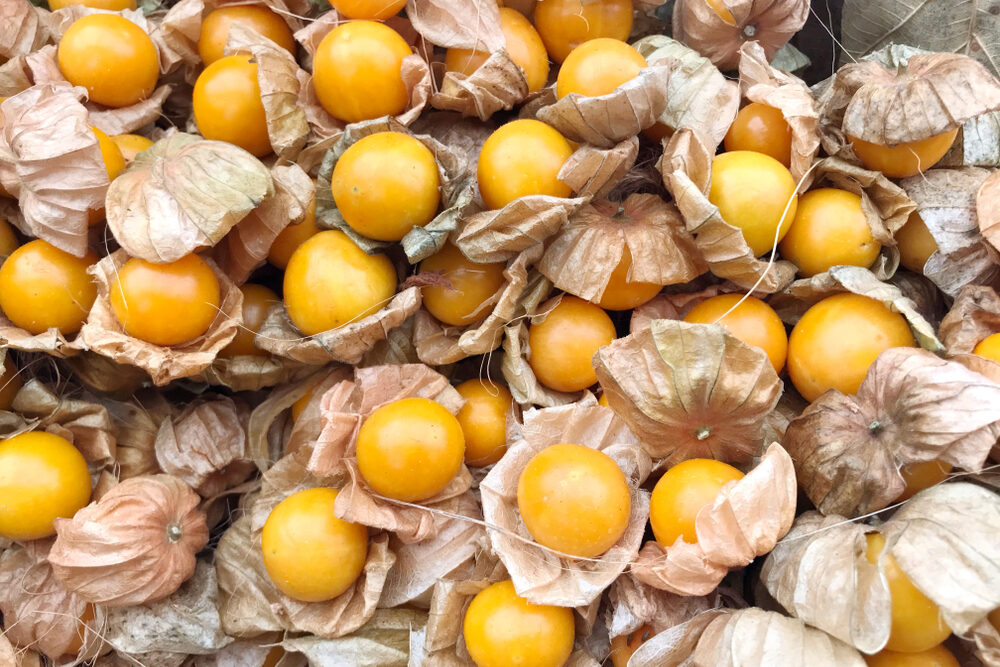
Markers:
point(103, 375)
point(135, 545)
point(974, 315)
point(102, 332)
point(464, 136)
point(540, 574)
point(633, 604)
point(457, 24)
point(251, 373)
point(136, 422)
point(987, 207)
point(911, 407)
point(497, 84)
point(23, 28)
point(383, 640)
point(594, 172)
point(987, 640)
point(690, 391)
point(182, 194)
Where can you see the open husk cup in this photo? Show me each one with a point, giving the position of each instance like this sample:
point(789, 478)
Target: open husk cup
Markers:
point(634, 606)
point(540, 574)
point(103, 333)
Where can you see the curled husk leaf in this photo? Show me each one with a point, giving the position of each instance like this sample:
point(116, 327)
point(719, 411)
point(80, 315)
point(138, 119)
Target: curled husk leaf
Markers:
point(496, 84)
point(182, 194)
point(690, 391)
point(770, 23)
point(23, 29)
point(988, 210)
point(819, 572)
point(974, 315)
point(102, 375)
point(137, 544)
point(137, 421)
point(632, 604)
point(911, 407)
point(102, 332)
point(540, 574)
point(594, 172)
point(457, 24)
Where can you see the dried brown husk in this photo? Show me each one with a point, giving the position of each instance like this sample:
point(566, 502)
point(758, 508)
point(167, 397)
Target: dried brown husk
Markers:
point(594, 172)
point(670, 306)
point(182, 194)
point(102, 332)
point(251, 373)
point(690, 391)
point(632, 604)
point(974, 316)
point(497, 84)
point(384, 640)
point(457, 24)
point(464, 136)
point(102, 375)
point(135, 545)
point(540, 574)
point(136, 422)
point(23, 28)
point(912, 407)
point(987, 207)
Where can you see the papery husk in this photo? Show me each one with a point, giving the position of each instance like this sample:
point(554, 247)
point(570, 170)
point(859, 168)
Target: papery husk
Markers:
point(498, 84)
point(770, 23)
point(668, 306)
point(690, 391)
point(136, 423)
point(464, 136)
point(201, 188)
point(135, 545)
point(102, 332)
point(457, 24)
point(987, 640)
point(594, 172)
point(23, 29)
point(988, 210)
point(396, 348)
point(974, 316)
point(632, 604)
point(538, 573)
point(38, 612)
point(102, 375)
point(251, 373)
point(250, 653)
point(17, 657)
point(688, 174)
point(383, 641)
point(582, 256)
point(51, 342)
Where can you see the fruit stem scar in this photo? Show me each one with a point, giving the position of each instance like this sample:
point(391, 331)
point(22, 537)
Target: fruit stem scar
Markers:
point(875, 427)
point(174, 533)
point(749, 30)
point(702, 432)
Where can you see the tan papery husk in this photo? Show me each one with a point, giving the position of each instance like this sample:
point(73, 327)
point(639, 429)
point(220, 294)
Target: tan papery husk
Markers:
point(974, 315)
point(136, 422)
point(120, 551)
point(385, 639)
point(987, 640)
point(107, 377)
point(539, 574)
point(670, 306)
point(594, 172)
point(23, 28)
point(633, 604)
point(987, 207)
point(498, 84)
point(103, 333)
point(251, 372)
point(457, 24)
point(464, 136)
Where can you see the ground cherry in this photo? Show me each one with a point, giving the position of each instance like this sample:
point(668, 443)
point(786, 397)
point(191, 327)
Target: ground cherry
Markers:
point(131, 145)
point(299, 406)
point(922, 475)
point(462, 302)
point(906, 159)
point(43, 287)
point(522, 158)
point(76, 643)
point(762, 129)
point(597, 67)
point(563, 344)
point(754, 192)
point(374, 10)
point(752, 321)
point(331, 282)
point(916, 621)
point(412, 434)
point(109, 5)
point(681, 493)
point(42, 477)
point(502, 629)
point(113, 58)
point(565, 24)
point(166, 304)
point(989, 347)
point(386, 184)
point(524, 46)
point(10, 382)
point(356, 71)
point(915, 243)
point(257, 300)
point(291, 237)
point(623, 294)
point(938, 656)
point(309, 553)
point(829, 229)
point(483, 419)
point(603, 401)
point(574, 499)
point(114, 163)
point(837, 339)
point(216, 25)
point(623, 646)
point(227, 104)
point(8, 240)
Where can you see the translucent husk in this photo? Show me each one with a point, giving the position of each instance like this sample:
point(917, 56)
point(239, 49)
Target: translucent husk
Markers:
point(594, 172)
point(988, 210)
point(24, 29)
point(102, 375)
point(136, 423)
point(384, 640)
point(497, 84)
point(633, 604)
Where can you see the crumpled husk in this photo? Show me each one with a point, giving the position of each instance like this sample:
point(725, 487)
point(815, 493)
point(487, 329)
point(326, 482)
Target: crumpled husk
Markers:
point(974, 316)
point(457, 191)
point(670, 306)
point(540, 574)
point(383, 640)
point(690, 391)
point(456, 24)
point(988, 209)
point(17, 657)
point(771, 24)
point(987, 640)
point(39, 613)
point(911, 407)
point(136, 422)
point(251, 373)
point(632, 605)
point(102, 375)
point(135, 545)
point(594, 172)
point(582, 256)
point(464, 136)
point(23, 29)
point(820, 574)
point(201, 188)
point(497, 84)
point(103, 333)
point(51, 342)
point(749, 637)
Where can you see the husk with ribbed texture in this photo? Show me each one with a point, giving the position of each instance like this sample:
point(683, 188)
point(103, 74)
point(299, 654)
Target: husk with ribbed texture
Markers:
point(498, 84)
point(666, 306)
point(594, 172)
point(974, 315)
point(988, 210)
point(23, 29)
point(102, 375)
point(136, 422)
point(633, 604)
point(384, 640)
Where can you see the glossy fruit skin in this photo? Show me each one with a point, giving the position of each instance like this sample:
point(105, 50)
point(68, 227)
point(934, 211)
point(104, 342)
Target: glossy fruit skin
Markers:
point(309, 553)
point(915, 243)
point(257, 300)
point(110, 5)
point(937, 656)
point(166, 304)
point(227, 104)
point(563, 344)
point(113, 58)
point(763, 129)
point(42, 287)
point(503, 629)
point(837, 339)
point(386, 184)
point(597, 67)
point(565, 24)
point(299, 406)
point(215, 29)
point(681, 493)
point(42, 477)
point(356, 71)
point(623, 646)
point(907, 159)
point(291, 237)
point(114, 161)
point(622, 294)
point(574, 499)
point(412, 434)
point(374, 10)
point(519, 159)
point(472, 284)
point(331, 282)
point(989, 347)
point(483, 419)
point(131, 145)
point(752, 191)
point(829, 229)
point(753, 322)
point(524, 46)
point(8, 239)
point(917, 624)
point(10, 383)
point(922, 475)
